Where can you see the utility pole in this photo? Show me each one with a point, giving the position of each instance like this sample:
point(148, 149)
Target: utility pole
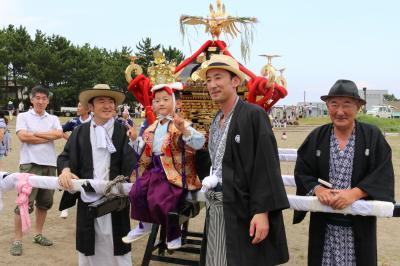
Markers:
point(365, 98)
point(304, 105)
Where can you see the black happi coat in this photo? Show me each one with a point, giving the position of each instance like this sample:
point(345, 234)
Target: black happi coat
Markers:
point(77, 155)
point(252, 183)
point(372, 172)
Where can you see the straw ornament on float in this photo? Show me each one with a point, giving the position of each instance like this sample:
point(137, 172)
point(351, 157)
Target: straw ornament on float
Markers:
point(218, 21)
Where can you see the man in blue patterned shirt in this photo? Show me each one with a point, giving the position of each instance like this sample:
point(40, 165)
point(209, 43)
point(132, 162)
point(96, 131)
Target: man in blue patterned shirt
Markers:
point(83, 117)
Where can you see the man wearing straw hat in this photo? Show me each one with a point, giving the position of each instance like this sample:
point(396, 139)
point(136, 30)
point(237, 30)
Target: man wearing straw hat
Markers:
point(354, 161)
point(245, 189)
point(98, 150)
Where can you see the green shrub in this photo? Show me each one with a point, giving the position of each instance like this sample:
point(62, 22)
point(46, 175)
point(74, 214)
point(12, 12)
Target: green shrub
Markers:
point(385, 124)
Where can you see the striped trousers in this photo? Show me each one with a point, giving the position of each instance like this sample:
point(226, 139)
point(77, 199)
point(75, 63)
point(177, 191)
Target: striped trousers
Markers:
point(216, 245)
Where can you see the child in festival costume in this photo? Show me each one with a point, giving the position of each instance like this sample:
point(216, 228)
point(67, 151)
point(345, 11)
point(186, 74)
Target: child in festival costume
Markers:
point(143, 228)
point(168, 161)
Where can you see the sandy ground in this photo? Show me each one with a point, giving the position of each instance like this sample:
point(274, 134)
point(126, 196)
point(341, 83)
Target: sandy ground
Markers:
point(62, 231)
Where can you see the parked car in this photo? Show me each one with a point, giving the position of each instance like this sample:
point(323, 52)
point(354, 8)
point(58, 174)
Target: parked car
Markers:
point(396, 115)
point(68, 111)
point(380, 111)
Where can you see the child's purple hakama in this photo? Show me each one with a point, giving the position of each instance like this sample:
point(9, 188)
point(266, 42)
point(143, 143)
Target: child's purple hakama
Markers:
point(152, 197)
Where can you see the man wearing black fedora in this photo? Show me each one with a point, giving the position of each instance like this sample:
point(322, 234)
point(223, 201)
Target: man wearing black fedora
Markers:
point(98, 150)
point(356, 160)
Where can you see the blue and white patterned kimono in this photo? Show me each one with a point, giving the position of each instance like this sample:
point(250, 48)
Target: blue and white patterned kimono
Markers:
point(339, 240)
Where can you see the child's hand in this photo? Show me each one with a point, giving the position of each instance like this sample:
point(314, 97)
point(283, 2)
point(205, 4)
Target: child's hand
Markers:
point(132, 134)
point(179, 123)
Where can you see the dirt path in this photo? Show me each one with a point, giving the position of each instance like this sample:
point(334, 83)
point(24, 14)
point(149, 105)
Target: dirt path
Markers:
point(62, 231)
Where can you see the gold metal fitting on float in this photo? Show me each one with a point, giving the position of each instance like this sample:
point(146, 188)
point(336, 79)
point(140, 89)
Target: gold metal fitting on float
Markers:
point(281, 80)
point(162, 71)
point(268, 70)
point(133, 67)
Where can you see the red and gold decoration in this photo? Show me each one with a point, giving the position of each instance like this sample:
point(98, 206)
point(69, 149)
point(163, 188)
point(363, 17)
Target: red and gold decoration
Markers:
point(264, 90)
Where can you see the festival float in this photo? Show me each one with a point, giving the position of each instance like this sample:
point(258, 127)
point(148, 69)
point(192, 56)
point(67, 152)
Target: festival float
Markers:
point(264, 90)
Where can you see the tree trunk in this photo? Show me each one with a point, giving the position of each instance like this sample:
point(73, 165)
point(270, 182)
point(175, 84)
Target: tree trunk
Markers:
point(6, 86)
point(15, 81)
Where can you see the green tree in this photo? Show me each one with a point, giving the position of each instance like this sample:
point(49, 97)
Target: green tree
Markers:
point(117, 63)
point(67, 69)
point(15, 46)
point(4, 55)
point(145, 52)
point(390, 97)
point(173, 54)
point(63, 96)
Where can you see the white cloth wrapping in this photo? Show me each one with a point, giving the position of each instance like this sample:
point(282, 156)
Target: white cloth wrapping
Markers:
point(301, 203)
point(90, 197)
point(287, 151)
point(288, 180)
point(209, 182)
point(359, 207)
point(287, 155)
point(51, 182)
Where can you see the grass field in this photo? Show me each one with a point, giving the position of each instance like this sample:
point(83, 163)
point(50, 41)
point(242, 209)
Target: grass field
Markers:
point(385, 124)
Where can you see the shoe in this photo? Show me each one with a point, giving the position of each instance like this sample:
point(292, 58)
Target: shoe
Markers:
point(16, 248)
point(175, 244)
point(64, 214)
point(137, 233)
point(41, 240)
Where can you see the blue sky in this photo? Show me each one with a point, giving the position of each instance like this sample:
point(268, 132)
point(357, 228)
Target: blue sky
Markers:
point(320, 41)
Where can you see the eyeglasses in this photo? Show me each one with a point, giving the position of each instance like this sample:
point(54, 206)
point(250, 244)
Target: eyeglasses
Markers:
point(345, 106)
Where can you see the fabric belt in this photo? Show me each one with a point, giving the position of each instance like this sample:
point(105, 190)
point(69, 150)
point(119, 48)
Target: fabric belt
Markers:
point(339, 219)
point(218, 188)
point(215, 196)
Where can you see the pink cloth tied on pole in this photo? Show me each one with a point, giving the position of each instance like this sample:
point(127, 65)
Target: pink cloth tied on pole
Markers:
point(24, 189)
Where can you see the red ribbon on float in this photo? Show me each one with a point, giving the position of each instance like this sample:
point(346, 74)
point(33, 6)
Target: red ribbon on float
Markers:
point(257, 85)
point(141, 86)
